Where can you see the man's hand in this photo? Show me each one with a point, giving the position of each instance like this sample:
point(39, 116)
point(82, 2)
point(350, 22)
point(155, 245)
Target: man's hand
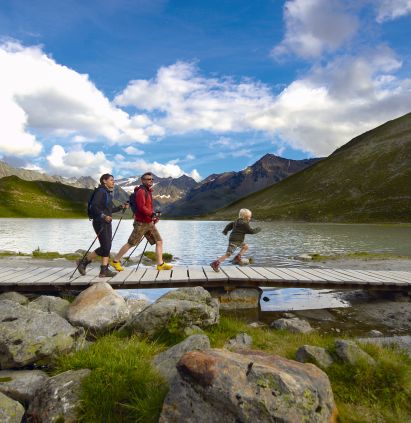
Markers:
point(108, 219)
point(126, 205)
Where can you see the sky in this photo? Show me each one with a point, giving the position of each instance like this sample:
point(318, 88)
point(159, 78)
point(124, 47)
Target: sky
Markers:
point(195, 87)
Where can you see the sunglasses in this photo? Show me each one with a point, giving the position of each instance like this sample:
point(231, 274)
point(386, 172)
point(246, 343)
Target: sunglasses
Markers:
point(148, 179)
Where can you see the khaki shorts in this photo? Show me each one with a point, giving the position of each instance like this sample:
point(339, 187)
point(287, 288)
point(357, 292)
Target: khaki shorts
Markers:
point(144, 229)
point(232, 246)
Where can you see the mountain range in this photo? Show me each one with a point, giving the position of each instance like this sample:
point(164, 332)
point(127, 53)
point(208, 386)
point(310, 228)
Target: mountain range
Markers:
point(366, 180)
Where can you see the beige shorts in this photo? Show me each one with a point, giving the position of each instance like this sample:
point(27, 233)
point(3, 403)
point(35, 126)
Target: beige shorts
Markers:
point(144, 229)
point(232, 246)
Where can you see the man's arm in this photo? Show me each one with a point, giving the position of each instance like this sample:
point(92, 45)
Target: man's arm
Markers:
point(142, 204)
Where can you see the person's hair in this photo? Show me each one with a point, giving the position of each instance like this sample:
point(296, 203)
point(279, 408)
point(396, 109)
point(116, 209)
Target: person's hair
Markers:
point(105, 177)
point(244, 213)
point(146, 174)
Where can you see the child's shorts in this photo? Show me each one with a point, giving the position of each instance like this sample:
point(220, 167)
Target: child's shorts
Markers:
point(232, 246)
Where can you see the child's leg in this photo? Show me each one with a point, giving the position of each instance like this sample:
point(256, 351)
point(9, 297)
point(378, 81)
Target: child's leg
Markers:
point(243, 250)
point(222, 258)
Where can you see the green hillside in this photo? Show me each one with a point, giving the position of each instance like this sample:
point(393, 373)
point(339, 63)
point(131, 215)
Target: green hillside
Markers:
point(21, 198)
point(366, 180)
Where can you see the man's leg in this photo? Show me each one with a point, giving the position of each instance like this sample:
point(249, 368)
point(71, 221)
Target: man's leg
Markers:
point(123, 250)
point(155, 236)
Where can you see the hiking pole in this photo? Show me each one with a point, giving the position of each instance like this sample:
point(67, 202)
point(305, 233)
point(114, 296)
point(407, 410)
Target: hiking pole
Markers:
point(89, 248)
point(134, 249)
point(118, 224)
point(142, 254)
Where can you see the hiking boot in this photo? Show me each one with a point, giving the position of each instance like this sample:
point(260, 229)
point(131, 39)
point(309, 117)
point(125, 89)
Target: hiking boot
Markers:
point(240, 261)
point(81, 265)
point(215, 265)
point(117, 265)
point(105, 272)
point(164, 266)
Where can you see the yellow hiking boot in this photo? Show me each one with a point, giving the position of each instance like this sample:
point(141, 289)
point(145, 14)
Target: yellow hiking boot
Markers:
point(117, 265)
point(164, 266)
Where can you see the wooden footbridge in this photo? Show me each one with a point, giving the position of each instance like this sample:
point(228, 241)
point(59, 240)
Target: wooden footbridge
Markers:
point(56, 279)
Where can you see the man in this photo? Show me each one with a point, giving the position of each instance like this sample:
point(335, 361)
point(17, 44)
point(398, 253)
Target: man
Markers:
point(144, 225)
point(101, 210)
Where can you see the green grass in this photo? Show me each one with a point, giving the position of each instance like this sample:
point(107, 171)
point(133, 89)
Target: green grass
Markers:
point(38, 254)
point(123, 386)
point(359, 255)
point(167, 257)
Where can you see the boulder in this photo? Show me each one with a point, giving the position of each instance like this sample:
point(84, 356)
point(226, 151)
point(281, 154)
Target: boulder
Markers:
point(10, 411)
point(192, 330)
point(350, 352)
point(176, 310)
point(401, 342)
point(136, 305)
point(98, 309)
point(14, 296)
point(50, 304)
point(222, 386)
point(242, 340)
point(238, 298)
point(21, 385)
point(316, 355)
point(28, 336)
point(166, 361)
point(57, 400)
point(374, 333)
point(294, 325)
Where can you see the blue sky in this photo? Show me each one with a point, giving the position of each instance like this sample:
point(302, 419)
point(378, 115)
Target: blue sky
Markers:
point(195, 87)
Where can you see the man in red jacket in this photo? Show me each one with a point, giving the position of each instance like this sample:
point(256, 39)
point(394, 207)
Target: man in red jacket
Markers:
point(144, 225)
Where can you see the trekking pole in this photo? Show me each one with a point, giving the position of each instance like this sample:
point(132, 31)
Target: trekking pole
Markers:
point(142, 254)
point(134, 249)
point(89, 248)
point(118, 224)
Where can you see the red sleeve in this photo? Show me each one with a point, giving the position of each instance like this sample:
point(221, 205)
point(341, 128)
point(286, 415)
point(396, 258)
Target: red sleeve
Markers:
point(143, 202)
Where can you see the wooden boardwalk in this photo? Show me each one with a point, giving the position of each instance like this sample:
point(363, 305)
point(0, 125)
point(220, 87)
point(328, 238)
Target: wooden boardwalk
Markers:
point(42, 279)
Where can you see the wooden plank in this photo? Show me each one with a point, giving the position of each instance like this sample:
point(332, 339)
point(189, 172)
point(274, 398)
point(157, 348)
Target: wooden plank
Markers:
point(270, 277)
point(370, 279)
point(149, 276)
point(36, 279)
point(10, 271)
point(234, 274)
point(304, 275)
point(384, 274)
point(281, 273)
point(6, 276)
point(352, 276)
point(87, 278)
point(179, 274)
point(214, 276)
point(196, 274)
point(22, 276)
point(121, 276)
point(65, 271)
point(252, 274)
point(324, 275)
point(376, 278)
point(163, 277)
point(397, 276)
point(134, 277)
point(301, 276)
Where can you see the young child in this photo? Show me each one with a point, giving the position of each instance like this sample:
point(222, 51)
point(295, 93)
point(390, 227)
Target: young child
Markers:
point(238, 229)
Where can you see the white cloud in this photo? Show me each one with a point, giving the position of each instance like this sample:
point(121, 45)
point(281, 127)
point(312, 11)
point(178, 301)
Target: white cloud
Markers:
point(133, 151)
point(160, 169)
point(391, 9)
point(42, 97)
point(190, 157)
point(78, 162)
point(314, 27)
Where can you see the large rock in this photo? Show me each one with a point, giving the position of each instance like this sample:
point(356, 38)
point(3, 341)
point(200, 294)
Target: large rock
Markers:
point(242, 340)
point(98, 309)
point(167, 360)
point(21, 385)
point(294, 325)
point(50, 304)
point(14, 296)
point(222, 386)
point(316, 355)
point(10, 411)
point(350, 352)
point(176, 310)
point(401, 342)
point(238, 298)
point(58, 399)
point(28, 336)
point(136, 305)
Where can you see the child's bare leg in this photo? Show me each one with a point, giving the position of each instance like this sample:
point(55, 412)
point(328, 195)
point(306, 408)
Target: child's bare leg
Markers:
point(222, 258)
point(243, 250)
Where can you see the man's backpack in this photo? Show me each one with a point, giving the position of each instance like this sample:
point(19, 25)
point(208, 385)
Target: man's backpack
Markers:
point(90, 213)
point(132, 198)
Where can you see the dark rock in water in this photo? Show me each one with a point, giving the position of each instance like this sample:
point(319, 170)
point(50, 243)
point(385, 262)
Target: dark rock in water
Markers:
point(266, 299)
point(251, 386)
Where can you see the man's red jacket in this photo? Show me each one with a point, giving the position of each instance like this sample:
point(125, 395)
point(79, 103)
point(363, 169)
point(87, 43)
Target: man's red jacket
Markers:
point(144, 202)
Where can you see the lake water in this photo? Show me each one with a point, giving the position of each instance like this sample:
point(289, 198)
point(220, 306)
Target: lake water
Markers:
point(200, 242)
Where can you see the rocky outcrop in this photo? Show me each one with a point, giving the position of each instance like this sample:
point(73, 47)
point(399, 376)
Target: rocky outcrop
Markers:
point(50, 304)
point(21, 385)
point(166, 361)
point(28, 336)
point(175, 311)
point(237, 299)
point(242, 340)
point(98, 309)
point(136, 305)
point(294, 325)
point(316, 355)
point(222, 386)
point(401, 342)
point(10, 411)
point(14, 296)
point(350, 352)
point(57, 400)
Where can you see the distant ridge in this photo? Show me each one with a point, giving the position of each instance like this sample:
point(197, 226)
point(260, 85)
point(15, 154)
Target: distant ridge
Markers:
point(365, 180)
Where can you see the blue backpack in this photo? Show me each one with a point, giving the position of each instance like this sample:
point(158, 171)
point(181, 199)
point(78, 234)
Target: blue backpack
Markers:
point(90, 213)
point(132, 198)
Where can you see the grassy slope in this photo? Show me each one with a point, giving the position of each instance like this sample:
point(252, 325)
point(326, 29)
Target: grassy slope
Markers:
point(21, 198)
point(367, 180)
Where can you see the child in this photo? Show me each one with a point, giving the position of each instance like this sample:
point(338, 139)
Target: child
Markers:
point(236, 240)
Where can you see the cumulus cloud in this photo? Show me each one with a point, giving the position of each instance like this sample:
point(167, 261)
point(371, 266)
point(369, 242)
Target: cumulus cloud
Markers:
point(314, 27)
point(392, 9)
point(77, 162)
point(170, 169)
point(42, 97)
point(133, 151)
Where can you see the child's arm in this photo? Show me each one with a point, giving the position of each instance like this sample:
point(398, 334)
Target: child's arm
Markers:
point(250, 230)
point(228, 228)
